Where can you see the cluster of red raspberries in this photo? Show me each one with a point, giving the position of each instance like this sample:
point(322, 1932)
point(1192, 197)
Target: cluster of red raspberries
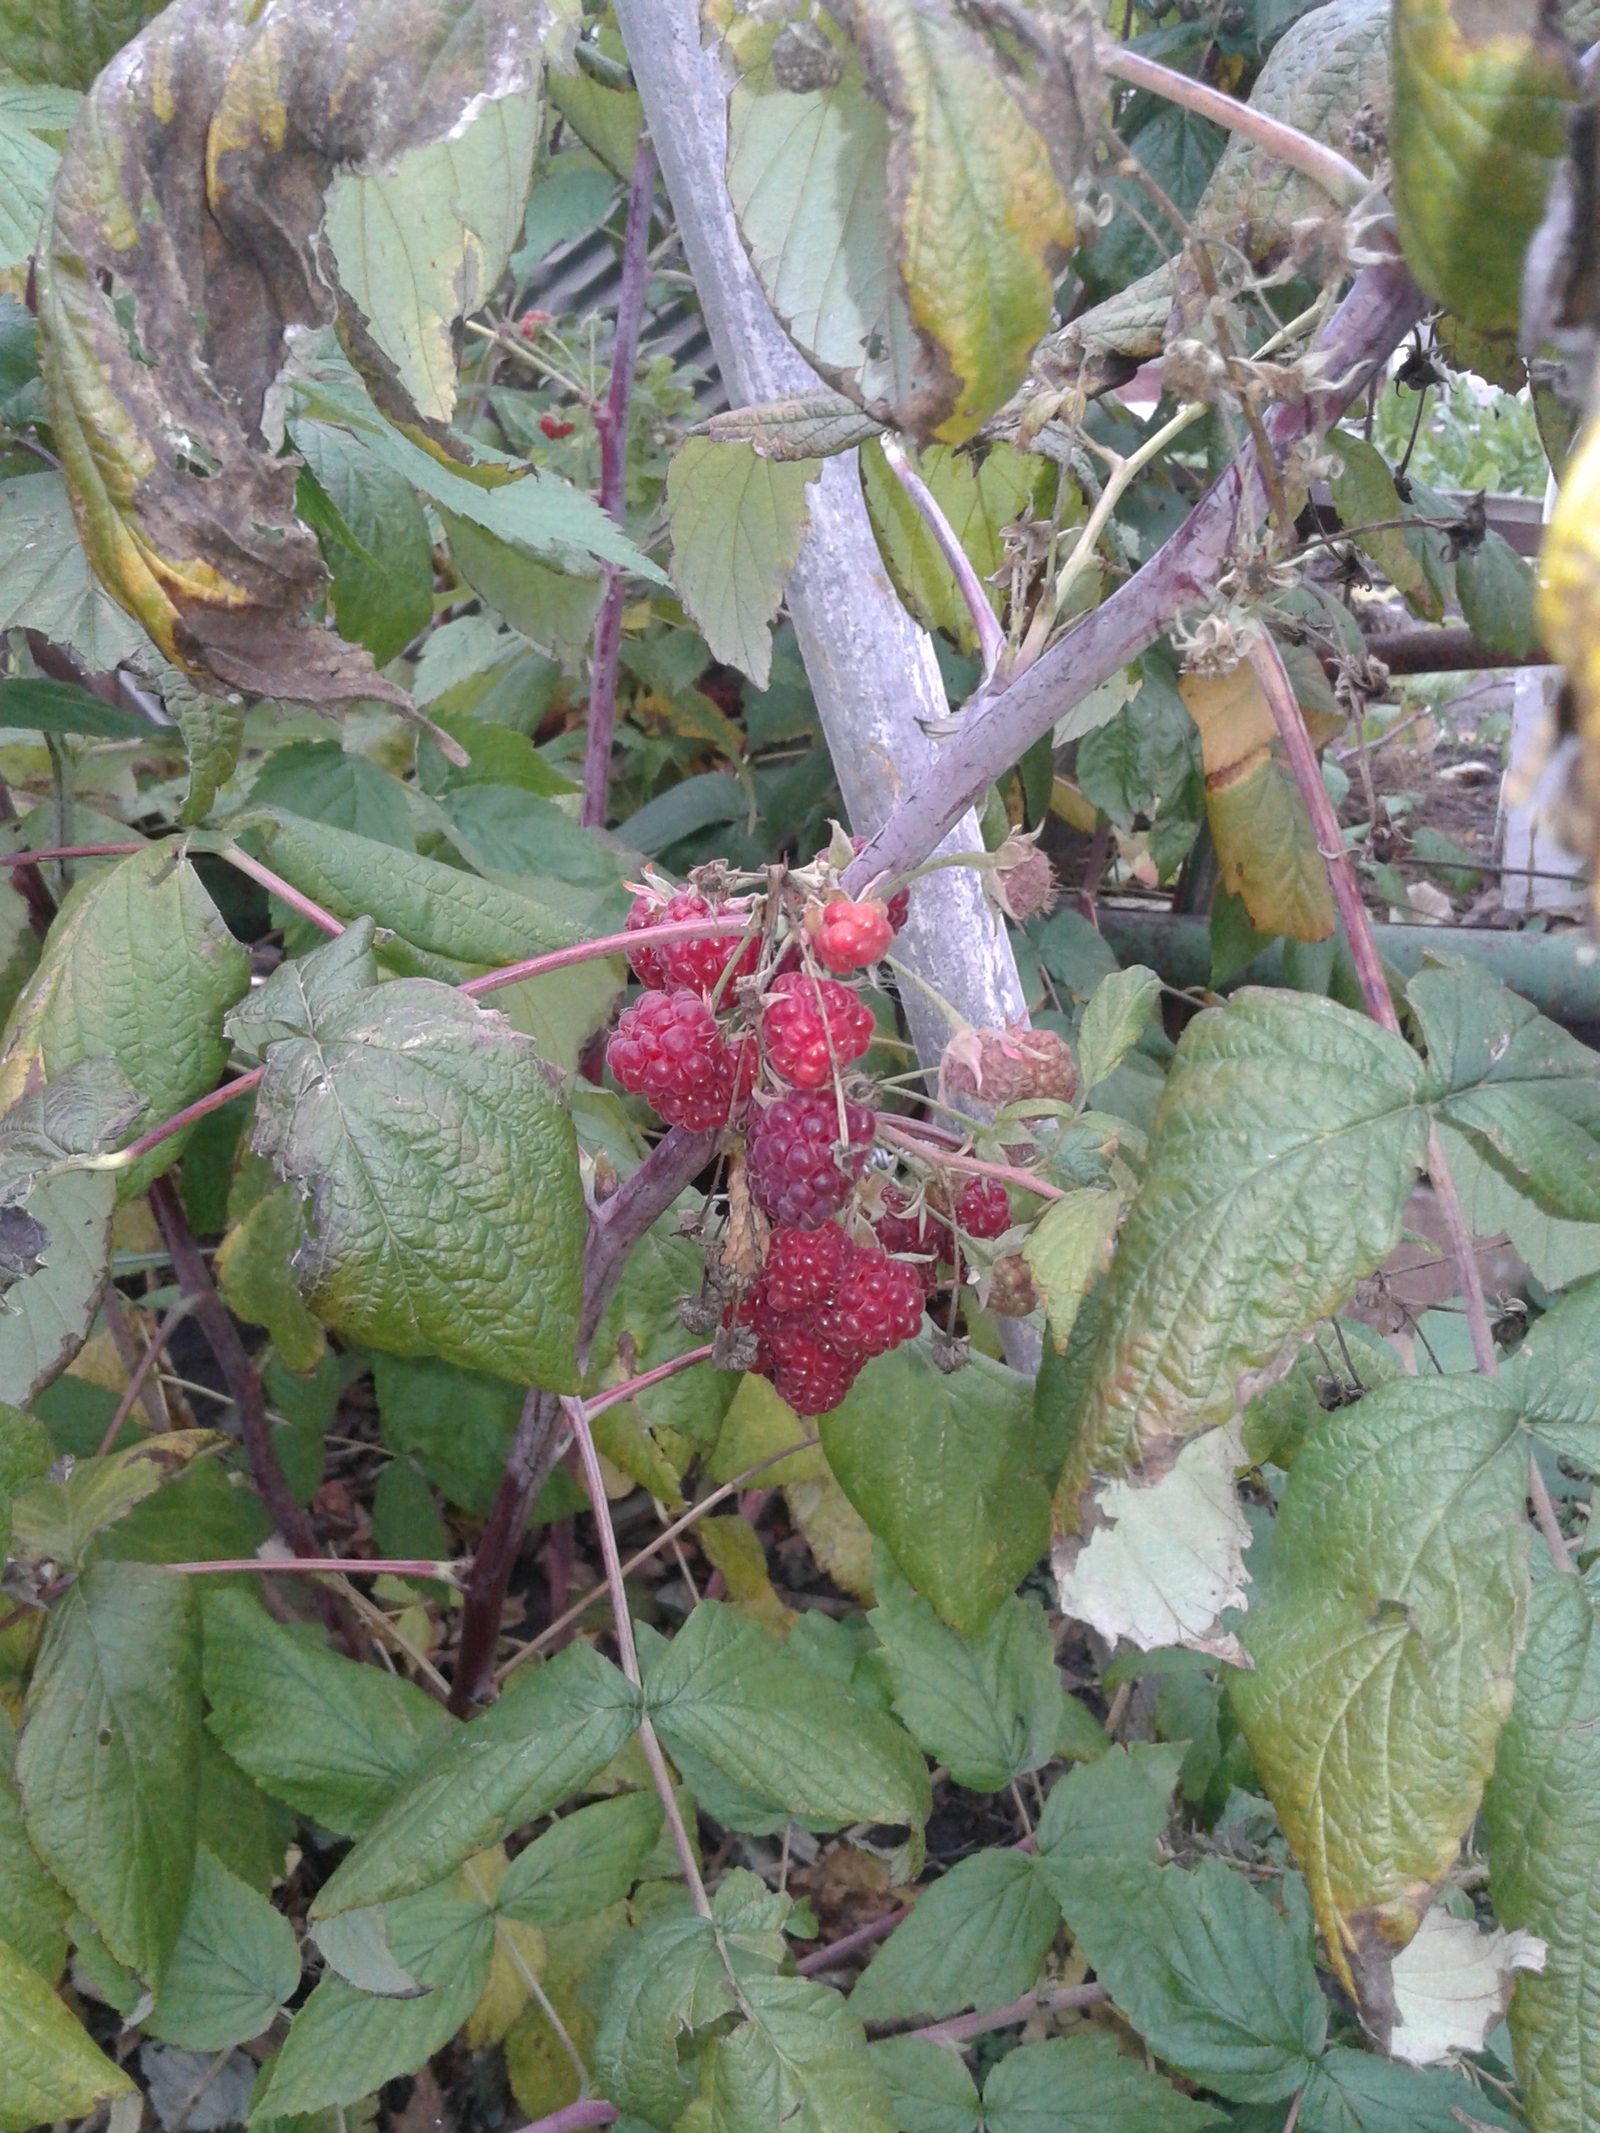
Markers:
point(823, 1304)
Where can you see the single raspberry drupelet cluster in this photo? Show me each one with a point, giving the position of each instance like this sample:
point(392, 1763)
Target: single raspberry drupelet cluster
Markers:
point(983, 1209)
point(822, 1308)
point(899, 905)
point(798, 1173)
point(667, 1048)
point(697, 964)
point(811, 1025)
point(851, 935)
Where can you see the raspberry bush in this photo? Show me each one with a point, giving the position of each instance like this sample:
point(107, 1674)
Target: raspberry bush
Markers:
point(664, 1464)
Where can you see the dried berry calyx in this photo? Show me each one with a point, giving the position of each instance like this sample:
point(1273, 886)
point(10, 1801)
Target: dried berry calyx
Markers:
point(811, 1026)
point(1025, 881)
point(1002, 1066)
point(799, 1171)
point(667, 1048)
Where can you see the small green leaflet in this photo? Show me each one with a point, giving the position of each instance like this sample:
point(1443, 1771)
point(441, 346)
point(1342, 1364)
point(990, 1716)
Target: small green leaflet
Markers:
point(332, 1738)
point(737, 521)
point(45, 581)
point(799, 2057)
point(552, 1729)
point(235, 1964)
point(945, 1471)
point(58, 707)
point(1213, 1978)
point(33, 1908)
point(441, 1164)
point(1112, 1022)
point(1116, 1807)
point(581, 1863)
point(988, 1707)
point(726, 1693)
point(1083, 2084)
point(56, 1521)
point(976, 1937)
point(109, 1762)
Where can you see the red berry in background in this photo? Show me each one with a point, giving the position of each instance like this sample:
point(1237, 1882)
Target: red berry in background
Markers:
point(878, 1305)
point(898, 1232)
point(795, 1176)
point(553, 427)
point(699, 964)
point(803, 1267)
point(532, 324)
point(668, 1049)
point(812, 1024)
point(983, 1209)
point(851, 935)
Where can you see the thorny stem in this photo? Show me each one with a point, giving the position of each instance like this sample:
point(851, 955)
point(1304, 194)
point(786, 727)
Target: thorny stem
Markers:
point(979, 1169)
point(69, 851)
point(614, 1229)
point(1336, 174)
point(627, 1651)
point(611, 421)
point(281, 889)
point(991, 638)
point(1279, 692)
point(240, 1377)
point(663, 1539)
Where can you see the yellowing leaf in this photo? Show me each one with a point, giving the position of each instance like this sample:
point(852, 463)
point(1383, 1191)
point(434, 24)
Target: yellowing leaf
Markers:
point(257, 1277)
point(980, 221)
point(1569, 623)
point(1169, 1556)
point(977, 501)
point(835, 1531)
point(48, 2067)
point(1267, 851)
point(733, 1546)
point(1384, 1635)
point(737, 522)
point(1482, 89)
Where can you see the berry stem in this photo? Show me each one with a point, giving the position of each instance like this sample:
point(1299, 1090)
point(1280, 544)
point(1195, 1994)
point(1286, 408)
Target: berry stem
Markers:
point(953, 1015)
point(942, 1159)
point(689, 929)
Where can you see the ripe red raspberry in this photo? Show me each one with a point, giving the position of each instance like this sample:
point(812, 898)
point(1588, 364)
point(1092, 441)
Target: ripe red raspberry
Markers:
point(805, 1369)
point(899, 908)
point(983, 1209)
point(803, 1267)
point(804, 1016)
point(668, 1049)
point(878, 1305)
point(532, 323)
point(795, 1176)
point(851, 935)
point(553, 428)
point(695, 963)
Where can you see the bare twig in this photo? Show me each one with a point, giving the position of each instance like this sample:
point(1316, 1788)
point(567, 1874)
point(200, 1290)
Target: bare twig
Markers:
point(664, 1539)
point(849, 1944)
point(142, 1369)
point(611, 421)
point(991, 638)
point(627, 1651)
point(978, 2025)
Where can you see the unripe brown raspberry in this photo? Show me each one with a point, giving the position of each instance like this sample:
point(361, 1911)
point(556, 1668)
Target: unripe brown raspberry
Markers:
point(1002, 1067)
point(1011, 1290)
